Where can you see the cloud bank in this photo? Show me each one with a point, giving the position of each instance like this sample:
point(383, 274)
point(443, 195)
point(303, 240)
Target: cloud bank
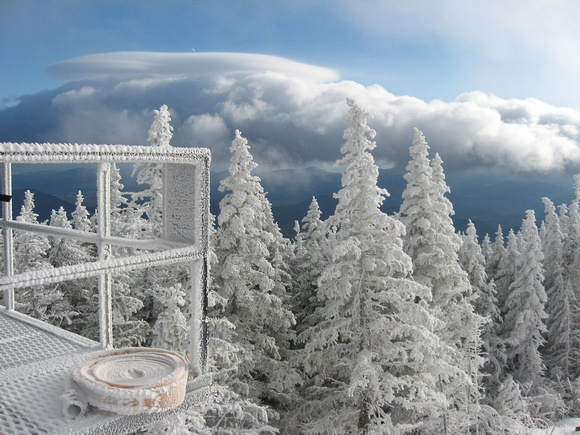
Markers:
point(291, 113)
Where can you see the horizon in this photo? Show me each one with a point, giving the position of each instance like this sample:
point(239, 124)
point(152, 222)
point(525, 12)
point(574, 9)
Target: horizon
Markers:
point(487, 202)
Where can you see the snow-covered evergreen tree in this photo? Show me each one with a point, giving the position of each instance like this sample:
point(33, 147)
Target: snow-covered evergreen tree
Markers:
point(495, 254)
point(31, 253)
point(571, 269)
point(228, 412)
point(473, 262)
point(155, 283)
point(557, 354)
point(171, 329)
point(571, 228)
point(251, 286)
point(506, 258)
point(86, 298)
point(372, 356)
point(417, 203)
point(151, 199)
point(161, 131)
point(433, 245)
point(80, 216)
point(523, 326)
point(487, 251)
point(485, 304)
point(310, 253)
point(463, 329)
point(30, 249)
point(65, 251)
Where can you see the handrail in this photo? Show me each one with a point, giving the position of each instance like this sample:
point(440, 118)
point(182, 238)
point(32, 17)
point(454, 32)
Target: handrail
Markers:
point(87, 270)
point(75, 153)
point(89, 237)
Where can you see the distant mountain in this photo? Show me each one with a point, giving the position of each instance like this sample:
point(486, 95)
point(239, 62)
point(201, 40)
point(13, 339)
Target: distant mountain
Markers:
point(488, 201)
point(56, 185)
point(44, 203)
point(59, 184)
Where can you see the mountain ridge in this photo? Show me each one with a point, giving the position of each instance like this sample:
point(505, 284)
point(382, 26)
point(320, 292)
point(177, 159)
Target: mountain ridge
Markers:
point(488, 202)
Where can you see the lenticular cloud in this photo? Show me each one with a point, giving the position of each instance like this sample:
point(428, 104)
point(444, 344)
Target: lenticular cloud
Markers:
point(291, 113)
point(193, 65)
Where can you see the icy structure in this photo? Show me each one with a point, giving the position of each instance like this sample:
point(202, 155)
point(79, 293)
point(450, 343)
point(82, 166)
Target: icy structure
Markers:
point(169, 384)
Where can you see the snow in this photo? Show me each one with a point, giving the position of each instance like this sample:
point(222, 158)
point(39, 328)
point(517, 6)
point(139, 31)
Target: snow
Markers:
point(132, 380)
point(387, 295)
point(563, 427)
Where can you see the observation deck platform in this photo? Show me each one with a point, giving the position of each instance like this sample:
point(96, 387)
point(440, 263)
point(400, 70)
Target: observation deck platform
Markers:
point(36, 359)
point(36, 362)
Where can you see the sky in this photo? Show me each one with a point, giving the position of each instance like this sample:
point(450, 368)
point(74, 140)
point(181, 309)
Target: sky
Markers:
point(492, 84)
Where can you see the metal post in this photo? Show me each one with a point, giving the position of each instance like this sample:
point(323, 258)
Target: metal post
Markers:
point(8, 233)
point(204, 319)
point(195, 345)
point(104, 230)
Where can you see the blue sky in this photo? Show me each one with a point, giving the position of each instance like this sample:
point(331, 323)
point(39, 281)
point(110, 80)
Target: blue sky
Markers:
point(491, 83)
point(426, 49)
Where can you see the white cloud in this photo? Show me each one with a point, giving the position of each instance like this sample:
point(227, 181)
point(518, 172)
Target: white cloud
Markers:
point(293, 121)
point(193, 65)
point(73, 96)
point(208, 131)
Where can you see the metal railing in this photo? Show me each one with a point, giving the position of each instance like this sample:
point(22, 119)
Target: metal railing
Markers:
point(185, 228)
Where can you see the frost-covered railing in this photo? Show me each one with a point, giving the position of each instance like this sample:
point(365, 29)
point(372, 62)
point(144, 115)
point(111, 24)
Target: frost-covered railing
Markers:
point(185, 236)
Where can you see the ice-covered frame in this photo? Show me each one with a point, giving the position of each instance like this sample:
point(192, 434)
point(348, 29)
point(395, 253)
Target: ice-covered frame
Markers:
point(185, 237)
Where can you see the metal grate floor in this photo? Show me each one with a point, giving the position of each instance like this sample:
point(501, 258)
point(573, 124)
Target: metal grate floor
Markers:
point(26, 343)
point(36, 361)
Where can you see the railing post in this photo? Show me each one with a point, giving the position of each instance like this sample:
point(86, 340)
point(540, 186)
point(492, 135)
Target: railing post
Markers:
point(8, 233)
point(195, 343)
point(104, 230)
point(198, 338)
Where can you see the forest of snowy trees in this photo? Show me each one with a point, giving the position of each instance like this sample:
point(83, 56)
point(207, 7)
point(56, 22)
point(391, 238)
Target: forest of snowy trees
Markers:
point(363, 323)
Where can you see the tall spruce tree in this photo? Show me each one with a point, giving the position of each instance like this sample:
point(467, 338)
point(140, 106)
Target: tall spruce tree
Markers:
point(433, 245)
point(31, 253)
point(571, 228)
point(156, 283)
point(66, 252)
point(571, 261)
point(251, 285)
point(485, 304)
point(487, 251)
point(80, 216)
point(506, 268)
point(87, 298)
point(417, 203)
point(494, 255)
point(372, 356)
point(151, 174)
point(557, 353)
point(229, 412)
point(310, 256)
point(523, 326)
